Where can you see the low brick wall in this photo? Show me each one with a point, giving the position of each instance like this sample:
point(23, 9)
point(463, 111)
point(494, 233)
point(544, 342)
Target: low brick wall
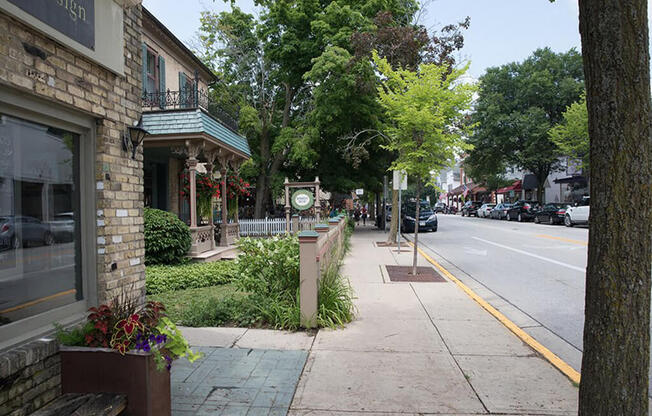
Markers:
point(30, 377)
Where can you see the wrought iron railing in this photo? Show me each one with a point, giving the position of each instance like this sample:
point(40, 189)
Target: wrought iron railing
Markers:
point(187, 98)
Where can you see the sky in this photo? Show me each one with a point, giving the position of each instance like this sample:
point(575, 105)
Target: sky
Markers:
point(501, 31)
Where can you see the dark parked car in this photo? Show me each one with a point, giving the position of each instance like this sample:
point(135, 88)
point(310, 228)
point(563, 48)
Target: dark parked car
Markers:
point(551, 213)
point(471, 208)
point(440, 207)
point(500, 211)
point(18, 231)
point(523, 211)
point(427, 217)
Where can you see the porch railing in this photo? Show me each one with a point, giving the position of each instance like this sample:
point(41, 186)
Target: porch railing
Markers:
point(187, 98)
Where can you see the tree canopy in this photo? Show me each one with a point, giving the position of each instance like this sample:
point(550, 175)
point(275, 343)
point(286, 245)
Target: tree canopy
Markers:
point(518, 104)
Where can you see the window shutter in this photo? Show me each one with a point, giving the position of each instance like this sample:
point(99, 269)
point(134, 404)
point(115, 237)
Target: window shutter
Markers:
point(161, 81)
point(144, 61)
point(183, 94)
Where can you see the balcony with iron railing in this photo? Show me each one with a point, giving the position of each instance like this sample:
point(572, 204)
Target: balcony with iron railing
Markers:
point(188, 98)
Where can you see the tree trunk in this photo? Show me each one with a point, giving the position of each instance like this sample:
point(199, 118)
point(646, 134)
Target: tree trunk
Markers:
point(261, 186)
point(615, 363)
point(393, 226)
point(416, 228)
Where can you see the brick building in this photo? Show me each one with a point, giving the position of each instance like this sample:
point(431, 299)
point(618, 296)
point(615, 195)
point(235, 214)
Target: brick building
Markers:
point(71, 194)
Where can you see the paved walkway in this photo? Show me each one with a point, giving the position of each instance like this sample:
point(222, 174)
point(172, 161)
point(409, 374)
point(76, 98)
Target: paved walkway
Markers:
point(422, 348)
point(415, 348)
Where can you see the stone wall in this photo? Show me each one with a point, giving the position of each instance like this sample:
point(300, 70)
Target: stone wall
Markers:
point(29, 374)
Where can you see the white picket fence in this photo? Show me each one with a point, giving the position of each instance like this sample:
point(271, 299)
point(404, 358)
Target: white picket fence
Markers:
point(271, 226)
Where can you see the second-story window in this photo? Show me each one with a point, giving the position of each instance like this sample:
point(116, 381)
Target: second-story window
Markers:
point(152, 71)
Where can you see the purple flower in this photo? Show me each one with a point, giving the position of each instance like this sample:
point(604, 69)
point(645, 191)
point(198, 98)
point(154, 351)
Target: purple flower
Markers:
point(146, 347)
point(161, 338)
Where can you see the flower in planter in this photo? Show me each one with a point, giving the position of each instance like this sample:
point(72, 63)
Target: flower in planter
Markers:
point(123, 329)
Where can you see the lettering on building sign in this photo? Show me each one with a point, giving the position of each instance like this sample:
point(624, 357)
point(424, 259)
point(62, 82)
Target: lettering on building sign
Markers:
point(73, 18)
point(39, 76)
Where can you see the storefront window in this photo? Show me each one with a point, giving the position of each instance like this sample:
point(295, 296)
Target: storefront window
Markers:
point(39, 219)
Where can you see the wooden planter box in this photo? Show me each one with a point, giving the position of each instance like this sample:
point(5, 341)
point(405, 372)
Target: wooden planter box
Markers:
point(98, 370)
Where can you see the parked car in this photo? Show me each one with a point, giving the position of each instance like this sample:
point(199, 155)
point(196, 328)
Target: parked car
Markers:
point(485, 210)
point(63, 227)
point(440, 207)
point(500, 211)
point(427, 217)
point(18, 231)
point(471, 208)
point(578, 213)
point(553, 213)
point(523, 211)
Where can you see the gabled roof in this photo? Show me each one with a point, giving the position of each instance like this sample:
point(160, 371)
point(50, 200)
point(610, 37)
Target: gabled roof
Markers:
point(193, 121)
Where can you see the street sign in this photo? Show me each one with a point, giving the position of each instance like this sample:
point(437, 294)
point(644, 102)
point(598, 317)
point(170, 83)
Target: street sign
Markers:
point(302, 199)
point(359, 192)
point(400, 178)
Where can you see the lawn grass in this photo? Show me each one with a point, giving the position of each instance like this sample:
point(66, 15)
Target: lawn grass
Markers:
point(179, 301)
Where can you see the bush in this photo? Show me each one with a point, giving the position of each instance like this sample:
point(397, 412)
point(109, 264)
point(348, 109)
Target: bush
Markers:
point(164, 278)
point(167, 238)
point(269, 268)
point(268, 272)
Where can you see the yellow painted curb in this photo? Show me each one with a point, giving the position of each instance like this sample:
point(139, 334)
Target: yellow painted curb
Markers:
point(561, 365)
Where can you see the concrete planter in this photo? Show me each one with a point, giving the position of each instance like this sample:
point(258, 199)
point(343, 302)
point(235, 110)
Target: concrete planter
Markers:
point(95, 370)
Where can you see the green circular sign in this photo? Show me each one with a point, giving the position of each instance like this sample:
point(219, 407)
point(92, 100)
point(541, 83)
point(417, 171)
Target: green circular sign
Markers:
point(302, 199)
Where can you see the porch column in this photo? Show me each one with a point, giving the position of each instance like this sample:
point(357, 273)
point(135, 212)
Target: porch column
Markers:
point(236, 169)
point(317, 202)
point(209, 170)
point(191, 162)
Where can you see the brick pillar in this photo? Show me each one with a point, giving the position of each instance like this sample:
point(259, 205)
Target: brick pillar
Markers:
point(309, 275)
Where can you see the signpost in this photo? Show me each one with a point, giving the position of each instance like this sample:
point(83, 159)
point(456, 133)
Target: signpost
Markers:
point(359, 192)
point(399, 183)
point(301, 199)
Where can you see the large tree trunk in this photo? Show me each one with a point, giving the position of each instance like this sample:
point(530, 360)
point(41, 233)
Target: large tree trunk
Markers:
point(261, 186)
point(615, 363)
point(393, 225)
point(416, 229)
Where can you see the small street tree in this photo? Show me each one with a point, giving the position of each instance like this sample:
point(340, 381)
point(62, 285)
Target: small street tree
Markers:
point(572, 135)
point(425, 110)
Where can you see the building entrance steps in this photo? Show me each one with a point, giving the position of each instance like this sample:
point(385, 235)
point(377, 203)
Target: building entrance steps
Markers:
point(418, 348)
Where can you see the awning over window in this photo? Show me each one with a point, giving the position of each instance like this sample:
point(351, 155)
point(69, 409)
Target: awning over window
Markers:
point(516, 187)
point(575, 179)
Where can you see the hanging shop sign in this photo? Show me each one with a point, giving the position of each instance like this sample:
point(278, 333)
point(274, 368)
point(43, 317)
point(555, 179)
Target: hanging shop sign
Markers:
point(302, 199)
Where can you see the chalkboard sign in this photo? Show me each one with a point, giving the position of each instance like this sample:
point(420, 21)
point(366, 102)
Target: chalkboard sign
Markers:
point(73, 18)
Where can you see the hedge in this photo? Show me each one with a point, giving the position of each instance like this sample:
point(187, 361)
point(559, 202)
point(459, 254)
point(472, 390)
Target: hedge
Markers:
point(165, 278)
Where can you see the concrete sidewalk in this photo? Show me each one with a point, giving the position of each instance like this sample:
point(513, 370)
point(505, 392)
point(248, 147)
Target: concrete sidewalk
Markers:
point(422, 348)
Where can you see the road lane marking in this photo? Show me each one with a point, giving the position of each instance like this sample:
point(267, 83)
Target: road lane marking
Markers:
point(567, 240)
point(39, 300)
point(572, 374)
point(536, 256)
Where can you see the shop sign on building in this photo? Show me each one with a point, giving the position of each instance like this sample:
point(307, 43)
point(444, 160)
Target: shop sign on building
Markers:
point(73, 18)
point(90, 27)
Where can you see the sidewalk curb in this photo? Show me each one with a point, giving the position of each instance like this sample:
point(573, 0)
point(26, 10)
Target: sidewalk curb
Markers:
point(553, 359)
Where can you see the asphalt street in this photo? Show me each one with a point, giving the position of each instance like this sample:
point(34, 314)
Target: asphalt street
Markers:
point(534, 273)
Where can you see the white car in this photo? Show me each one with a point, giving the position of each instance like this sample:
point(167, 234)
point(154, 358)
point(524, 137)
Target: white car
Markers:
point(578, 213)
point(485, 210)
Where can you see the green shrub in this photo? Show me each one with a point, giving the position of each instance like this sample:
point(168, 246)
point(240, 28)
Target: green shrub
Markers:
point(167, 238)
point(269, 268)
point(164, 278)
point(267, 272)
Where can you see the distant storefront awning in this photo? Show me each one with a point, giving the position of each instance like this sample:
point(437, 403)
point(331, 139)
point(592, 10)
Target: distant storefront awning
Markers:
point(575, 179)
point(516, 187)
